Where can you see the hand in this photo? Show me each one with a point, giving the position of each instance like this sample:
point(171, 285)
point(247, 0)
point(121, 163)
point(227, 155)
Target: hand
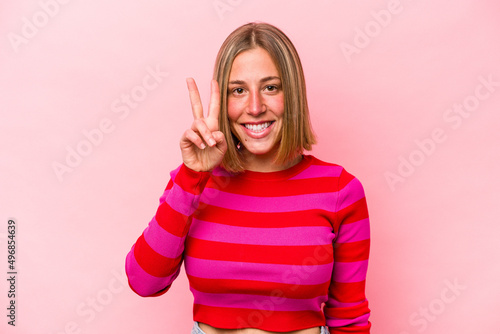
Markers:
point(203, 146)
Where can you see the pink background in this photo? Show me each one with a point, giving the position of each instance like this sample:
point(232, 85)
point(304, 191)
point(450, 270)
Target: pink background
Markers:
point(434, 264)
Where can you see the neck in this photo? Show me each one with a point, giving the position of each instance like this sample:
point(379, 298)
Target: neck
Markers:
point(265, 163)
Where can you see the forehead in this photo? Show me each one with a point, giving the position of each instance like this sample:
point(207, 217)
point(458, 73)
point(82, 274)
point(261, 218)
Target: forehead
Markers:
point(253, 63)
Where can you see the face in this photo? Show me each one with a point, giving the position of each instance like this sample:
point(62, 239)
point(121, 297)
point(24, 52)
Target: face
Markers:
point(255, 102)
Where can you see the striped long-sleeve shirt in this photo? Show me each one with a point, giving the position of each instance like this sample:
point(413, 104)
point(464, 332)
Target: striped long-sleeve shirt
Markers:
point(278, 251)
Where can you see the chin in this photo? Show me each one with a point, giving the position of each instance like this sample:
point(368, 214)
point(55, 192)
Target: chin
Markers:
point(262, 150)
point(259, 152)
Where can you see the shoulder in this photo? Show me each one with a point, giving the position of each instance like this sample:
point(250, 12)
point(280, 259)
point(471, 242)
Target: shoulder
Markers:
point(346, 180)
point(318, 168)
point(331, 168)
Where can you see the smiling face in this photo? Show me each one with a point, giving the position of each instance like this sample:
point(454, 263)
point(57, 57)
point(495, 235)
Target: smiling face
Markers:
point(255, 103)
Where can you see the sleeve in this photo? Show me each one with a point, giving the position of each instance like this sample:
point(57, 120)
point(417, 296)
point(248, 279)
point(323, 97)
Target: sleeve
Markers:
point(155, 259)
point(346, 309)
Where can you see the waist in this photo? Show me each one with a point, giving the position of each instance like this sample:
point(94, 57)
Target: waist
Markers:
point(202, 328)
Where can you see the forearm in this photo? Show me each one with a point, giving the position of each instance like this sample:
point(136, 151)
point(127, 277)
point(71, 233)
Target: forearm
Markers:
point(155, 259)
point(347, 308)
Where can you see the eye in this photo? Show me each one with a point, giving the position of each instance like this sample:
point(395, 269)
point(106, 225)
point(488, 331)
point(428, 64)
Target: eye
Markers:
point(271, 88)
point(238, 91)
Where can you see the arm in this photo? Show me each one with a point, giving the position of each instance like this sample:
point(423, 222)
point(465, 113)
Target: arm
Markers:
point(347, 309)
point(155, 259)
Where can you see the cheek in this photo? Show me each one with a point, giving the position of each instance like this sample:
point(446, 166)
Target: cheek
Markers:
point(233, 115)
point(232, 111)
point(277, 104)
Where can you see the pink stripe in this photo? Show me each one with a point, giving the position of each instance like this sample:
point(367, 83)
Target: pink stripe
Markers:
point(258, 302)
point(174, 173)
point(218, 171)
point(278, 273)
point(315, 171)
point(350, 272)
point(323, 201)
point(162, 241)
point(351, 193)
point(286, 236)
point(182, 201)
point(356, 231)
point(142, 282)
point(359, 321)
point(164, 196)
point(332, 303)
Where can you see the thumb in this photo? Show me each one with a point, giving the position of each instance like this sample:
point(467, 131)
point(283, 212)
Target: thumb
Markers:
point(220, 140)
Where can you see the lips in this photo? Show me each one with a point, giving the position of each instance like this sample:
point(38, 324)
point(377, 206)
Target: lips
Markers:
point(258, 130)
point(257, 127)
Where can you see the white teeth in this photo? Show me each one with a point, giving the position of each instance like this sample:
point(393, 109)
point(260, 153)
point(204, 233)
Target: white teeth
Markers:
point(257, 128)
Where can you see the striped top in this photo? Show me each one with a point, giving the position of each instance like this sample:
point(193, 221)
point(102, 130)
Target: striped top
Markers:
point(278, 251)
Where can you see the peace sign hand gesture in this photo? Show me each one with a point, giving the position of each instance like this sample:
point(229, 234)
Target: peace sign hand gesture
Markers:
point(203, 146)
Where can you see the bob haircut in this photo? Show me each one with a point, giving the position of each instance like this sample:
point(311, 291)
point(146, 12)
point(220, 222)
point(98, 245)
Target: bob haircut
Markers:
point(296, 132)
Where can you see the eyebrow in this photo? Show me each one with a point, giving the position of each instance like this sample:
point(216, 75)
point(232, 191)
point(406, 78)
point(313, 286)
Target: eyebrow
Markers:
point(240, 82)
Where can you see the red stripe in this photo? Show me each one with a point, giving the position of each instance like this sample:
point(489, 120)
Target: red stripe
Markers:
point(354, 212)
point(268, 320)
point(352, 329)
point(347, 312)
point(352, 251)
point(152, 262)
point(293, 255)
point(348, 292)
point(291, 188)
point(318, 162)
point(209, 285)
point(169, 185)
point(171, 220)
point(344, 179)
point(159, 293)
point(259, 219)
point(191, 181)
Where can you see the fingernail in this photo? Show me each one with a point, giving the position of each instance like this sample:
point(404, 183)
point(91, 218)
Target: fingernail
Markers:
point(203, 146)
point(211, 142)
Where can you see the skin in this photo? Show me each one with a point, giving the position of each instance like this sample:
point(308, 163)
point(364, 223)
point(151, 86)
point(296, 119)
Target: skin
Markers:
point(203, 146)
point(255, 96)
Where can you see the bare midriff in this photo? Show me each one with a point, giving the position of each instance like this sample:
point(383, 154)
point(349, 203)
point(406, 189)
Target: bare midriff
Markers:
point(212, 330)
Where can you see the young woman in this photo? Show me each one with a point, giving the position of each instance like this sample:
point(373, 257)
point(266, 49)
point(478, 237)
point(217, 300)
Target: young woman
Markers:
point(272, 240)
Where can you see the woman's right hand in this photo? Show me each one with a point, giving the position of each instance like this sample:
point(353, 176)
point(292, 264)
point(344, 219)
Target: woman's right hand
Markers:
point(203, 146)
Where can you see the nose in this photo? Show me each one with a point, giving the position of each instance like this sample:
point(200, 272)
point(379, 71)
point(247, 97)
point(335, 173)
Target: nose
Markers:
point(256, 104)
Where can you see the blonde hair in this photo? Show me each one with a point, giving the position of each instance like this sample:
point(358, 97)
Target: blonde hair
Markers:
point(296, 132)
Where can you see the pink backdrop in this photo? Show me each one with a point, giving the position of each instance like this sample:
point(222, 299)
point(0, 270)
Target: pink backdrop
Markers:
point(404, 94)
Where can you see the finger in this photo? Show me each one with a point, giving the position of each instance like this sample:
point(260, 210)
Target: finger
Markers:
point(201, 127)
point(191, 136)
point(220, 139)
point(194, 97)
point(214, 106)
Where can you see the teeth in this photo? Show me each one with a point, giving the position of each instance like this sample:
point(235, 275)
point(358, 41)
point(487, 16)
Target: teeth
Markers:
point(257, 128)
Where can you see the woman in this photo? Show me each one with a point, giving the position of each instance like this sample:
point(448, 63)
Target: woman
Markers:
point(273, 240)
